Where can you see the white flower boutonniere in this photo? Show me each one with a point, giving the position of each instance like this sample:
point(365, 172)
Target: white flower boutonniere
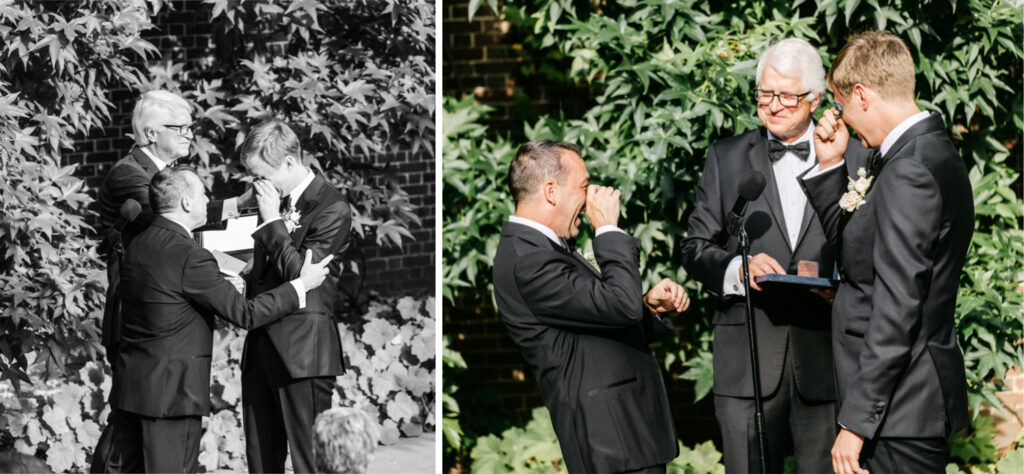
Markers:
point(589, 257)
point(855, 191)
point(291, 219)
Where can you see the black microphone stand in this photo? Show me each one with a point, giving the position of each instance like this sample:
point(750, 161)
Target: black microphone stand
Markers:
point(755, 366)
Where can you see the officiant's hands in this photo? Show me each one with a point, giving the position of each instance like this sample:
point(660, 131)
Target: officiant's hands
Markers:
point(313, 274)
point(667, 296)
point(268, 200)
point(761, 264)
point(846, 453)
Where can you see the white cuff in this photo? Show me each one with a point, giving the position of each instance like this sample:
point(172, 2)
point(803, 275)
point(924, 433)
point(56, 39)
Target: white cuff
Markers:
point(817, 170)
point(265, 223)
point(301, 290)
point(732, 284)
point(230, 210)
point(607, 228)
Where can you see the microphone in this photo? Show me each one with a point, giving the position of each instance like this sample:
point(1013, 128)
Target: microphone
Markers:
point(751, 187)
point(129, 212)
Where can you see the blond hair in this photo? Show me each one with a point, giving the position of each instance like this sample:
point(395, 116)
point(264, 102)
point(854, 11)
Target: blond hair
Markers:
point(876, 59)
point(271, 141)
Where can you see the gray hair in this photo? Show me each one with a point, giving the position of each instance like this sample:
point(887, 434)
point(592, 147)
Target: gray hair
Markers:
point(534, 163)
point(142, 114)
point(344, 440)
point(271, 141)
point(795, 58)
point(169, 186)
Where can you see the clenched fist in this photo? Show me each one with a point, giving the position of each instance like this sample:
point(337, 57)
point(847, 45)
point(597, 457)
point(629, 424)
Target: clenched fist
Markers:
point(603, 205)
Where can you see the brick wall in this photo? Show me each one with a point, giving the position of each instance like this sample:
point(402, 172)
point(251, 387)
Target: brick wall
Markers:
point(480, 58)
point(183, 34)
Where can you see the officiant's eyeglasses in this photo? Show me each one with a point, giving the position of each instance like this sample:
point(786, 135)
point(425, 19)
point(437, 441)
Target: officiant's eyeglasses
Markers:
point(787, 100)
point(183, 130)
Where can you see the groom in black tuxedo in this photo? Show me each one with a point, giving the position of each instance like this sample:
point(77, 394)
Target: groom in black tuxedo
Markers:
point(901, 235)
point(289, 366)
point(172, 290)
point(793, 325)
point(584, 332)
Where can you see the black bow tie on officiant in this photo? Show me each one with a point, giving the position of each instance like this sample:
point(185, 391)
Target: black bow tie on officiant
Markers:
point(777, 149)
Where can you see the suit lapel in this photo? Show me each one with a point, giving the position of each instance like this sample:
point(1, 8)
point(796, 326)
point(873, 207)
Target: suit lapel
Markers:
point(306, 204)
point(758, 158)
point(144, 161)
point(535, 237)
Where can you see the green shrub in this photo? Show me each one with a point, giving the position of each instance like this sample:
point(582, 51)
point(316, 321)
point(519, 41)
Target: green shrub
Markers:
point(534, 448)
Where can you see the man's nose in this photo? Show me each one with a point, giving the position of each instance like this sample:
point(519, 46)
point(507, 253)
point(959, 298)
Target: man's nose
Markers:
point(775, 106)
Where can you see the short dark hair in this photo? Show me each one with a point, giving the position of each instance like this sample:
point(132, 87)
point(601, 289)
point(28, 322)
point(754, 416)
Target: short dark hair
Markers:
point(535, 162)
point(168, 187)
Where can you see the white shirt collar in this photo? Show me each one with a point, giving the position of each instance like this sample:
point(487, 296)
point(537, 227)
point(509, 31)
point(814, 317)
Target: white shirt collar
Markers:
point(160, 164)
point(183, 226)
point(540, 227)
point(301, 188)
point(900, 129)
point(803, 138)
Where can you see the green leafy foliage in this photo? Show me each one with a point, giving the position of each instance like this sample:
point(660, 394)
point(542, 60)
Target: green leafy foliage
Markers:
point(58, 64)
point(534, 448)
point(60, 420)
point(450, 426)
point(670, 78)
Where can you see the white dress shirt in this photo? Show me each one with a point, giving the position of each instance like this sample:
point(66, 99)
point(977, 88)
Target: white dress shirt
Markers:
point(160, 164)
point(792, 198)
point(550, 234)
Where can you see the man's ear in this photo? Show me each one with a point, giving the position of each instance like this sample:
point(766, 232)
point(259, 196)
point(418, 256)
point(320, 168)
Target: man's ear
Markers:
point(863, 94)
point(816, 102)
point(186, 204)
point(550, 189)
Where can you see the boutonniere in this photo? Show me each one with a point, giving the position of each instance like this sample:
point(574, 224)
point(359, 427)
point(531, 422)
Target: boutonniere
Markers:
point(589, 257)
point(291, 219)
point(855, 191)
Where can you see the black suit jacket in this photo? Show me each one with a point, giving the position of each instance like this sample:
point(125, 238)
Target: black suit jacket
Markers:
point(797, 318)
point(129, 178)
point(307, 341)
point(898, 366)
point(171, 290)
point(585, 337)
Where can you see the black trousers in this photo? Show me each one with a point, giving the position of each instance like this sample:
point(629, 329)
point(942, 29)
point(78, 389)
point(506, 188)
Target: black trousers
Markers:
point(140, 443)
point(810, 425)
point(278, 411)
point(904, 455)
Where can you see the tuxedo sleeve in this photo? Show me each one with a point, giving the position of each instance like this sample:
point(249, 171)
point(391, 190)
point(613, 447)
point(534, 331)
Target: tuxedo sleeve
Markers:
point(327, 235)
point(907, 218)
point(560, 294)
point(703, 254)
point(824, 190)
point(205, 288)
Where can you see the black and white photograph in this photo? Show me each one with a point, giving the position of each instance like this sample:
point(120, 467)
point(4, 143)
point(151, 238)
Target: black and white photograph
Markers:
point(217, 236)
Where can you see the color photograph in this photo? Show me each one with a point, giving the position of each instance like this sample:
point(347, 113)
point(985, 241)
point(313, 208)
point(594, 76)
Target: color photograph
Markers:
point(705, 237)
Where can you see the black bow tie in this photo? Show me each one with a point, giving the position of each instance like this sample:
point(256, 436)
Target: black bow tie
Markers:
point(777, 149)
point(874, 161)
point(286, 203)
